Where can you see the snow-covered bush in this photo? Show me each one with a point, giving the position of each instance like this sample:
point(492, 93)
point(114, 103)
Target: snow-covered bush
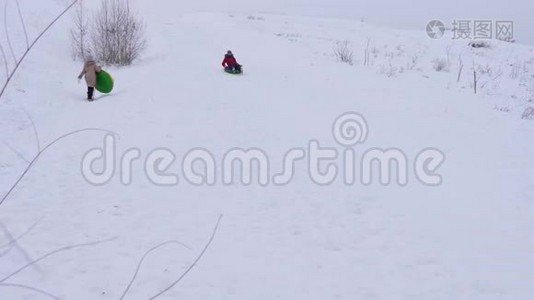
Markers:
point(343, 52)
point(375, 51)
point(515, 69)
point(389, 70)
point(400, 50)
point(413, 62)
point(117, 34)
point(528, 114)
point(485, 70)
point(440, 65)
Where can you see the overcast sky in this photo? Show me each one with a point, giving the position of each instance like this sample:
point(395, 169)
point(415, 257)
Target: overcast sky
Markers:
point(412, 14)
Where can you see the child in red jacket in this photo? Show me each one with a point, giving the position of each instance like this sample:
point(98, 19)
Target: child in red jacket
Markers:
point(230, 63)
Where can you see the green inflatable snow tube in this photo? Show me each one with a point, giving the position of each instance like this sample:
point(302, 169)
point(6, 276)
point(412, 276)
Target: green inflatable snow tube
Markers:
point(104, 82)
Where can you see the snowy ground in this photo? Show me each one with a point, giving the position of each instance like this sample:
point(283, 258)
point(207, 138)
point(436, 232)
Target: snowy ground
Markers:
point(469, 238)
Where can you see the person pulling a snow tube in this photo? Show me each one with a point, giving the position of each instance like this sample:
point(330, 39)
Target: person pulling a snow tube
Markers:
point(230, 63)
point(90, 68)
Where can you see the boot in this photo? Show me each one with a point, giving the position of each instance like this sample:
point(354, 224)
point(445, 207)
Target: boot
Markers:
point(90, 93)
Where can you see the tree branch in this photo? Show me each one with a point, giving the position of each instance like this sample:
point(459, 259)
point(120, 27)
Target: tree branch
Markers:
point(8, 38)
point(143, 259)
point(35, 131)
point(194, 263)
point(67, 248)
point(15, 151)
point(13, 241)
point(23, 24)
point(17, 65)
point(4, 57)
point(25, 287)
point(34, 160)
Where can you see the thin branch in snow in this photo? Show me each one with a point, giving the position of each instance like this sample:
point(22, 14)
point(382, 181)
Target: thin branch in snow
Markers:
point(6, 251)
point(17, 65)
point(143, 259)
point(17, 153)
point(23, 24)
point(194, 263)
point(22, 251)
point(35, 131)
point(4, 57)
point(13, 242)
point(25, 287)
point(34, 160)
point(8, 38)
point(30, 229)
point(64, 249)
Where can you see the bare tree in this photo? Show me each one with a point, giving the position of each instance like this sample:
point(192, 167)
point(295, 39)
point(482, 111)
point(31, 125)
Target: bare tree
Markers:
point(118, 35)
point(80, 33)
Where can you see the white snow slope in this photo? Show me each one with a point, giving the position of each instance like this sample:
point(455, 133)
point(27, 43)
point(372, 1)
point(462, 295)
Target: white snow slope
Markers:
point(468, 238)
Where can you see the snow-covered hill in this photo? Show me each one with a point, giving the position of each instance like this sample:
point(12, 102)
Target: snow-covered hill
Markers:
point(467, 238)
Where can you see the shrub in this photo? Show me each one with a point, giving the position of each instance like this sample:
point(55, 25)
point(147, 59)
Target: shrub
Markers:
point(389, 70)
point(117, 34)
point(343, 52)
point(440, 65)
point(528, 114)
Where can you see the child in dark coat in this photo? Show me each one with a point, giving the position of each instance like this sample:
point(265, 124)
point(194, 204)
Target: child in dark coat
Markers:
point(230, 63)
